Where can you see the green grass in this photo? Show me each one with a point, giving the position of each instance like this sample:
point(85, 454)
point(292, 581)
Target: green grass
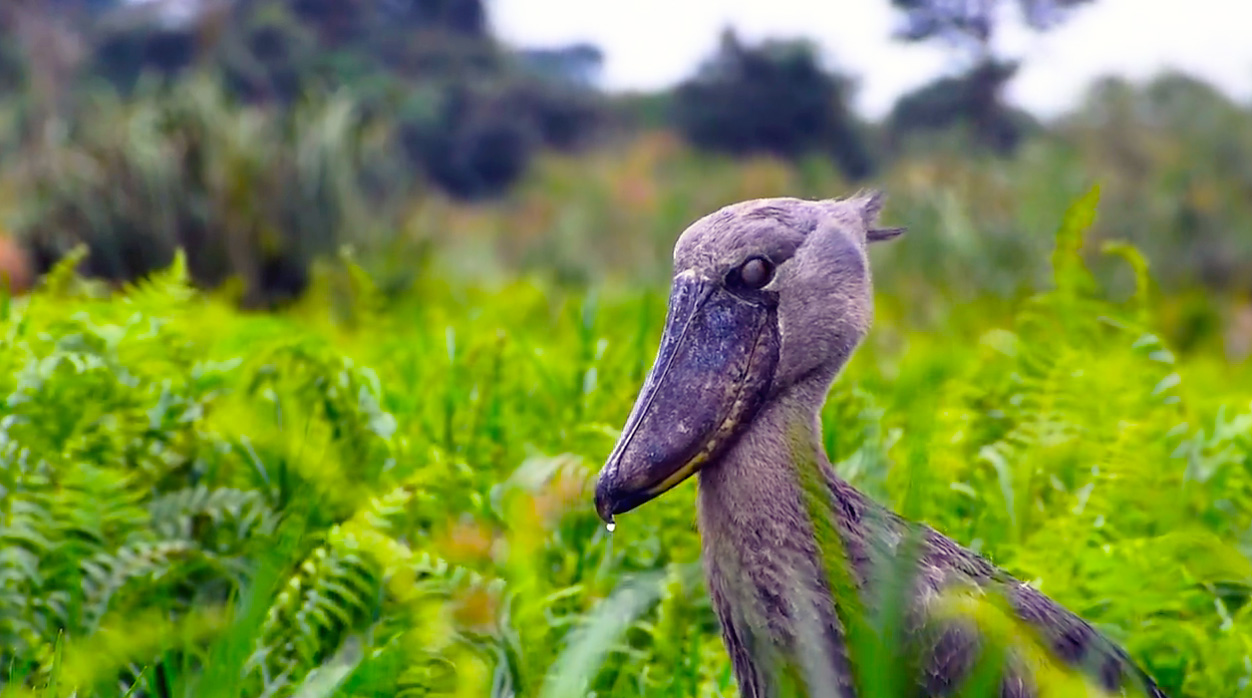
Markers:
point(373, 496)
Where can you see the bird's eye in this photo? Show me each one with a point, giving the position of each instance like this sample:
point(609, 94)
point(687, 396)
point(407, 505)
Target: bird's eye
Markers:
point(756, 272)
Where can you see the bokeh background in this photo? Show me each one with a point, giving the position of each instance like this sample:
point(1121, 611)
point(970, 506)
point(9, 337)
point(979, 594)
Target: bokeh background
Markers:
point(321, 315)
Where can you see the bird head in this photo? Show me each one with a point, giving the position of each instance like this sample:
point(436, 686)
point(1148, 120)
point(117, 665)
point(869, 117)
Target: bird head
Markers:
point(766, 294)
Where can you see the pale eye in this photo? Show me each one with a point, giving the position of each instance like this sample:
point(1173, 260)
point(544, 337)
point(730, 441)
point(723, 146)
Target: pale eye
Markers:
point(756, 272)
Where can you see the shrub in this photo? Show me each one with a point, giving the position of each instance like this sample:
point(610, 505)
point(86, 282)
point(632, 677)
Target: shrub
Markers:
point(474, 147)
point(245, 191)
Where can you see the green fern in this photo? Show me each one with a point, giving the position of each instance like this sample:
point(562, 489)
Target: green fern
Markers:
point(198, 501)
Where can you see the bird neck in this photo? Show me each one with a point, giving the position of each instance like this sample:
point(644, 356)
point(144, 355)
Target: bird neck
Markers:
point(760, 550)
point(758, 472)
point(754, 481)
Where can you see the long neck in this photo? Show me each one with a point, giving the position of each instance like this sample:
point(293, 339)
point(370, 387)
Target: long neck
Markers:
point(760, 550)
point(755, 481)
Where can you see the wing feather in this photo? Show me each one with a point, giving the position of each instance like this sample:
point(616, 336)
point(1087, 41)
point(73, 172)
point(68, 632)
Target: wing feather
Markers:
point(950, 649)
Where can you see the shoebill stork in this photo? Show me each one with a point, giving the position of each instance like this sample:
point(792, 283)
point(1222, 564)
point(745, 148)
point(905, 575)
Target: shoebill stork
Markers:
point(769, 299)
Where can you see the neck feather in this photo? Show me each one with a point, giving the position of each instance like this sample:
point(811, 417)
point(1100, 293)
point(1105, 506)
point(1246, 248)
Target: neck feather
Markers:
point(760, 551)
point(756, 478)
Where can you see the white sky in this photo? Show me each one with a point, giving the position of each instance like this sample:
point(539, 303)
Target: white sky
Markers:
point(655, 43)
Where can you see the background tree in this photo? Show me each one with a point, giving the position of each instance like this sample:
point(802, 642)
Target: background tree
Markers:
point(969, 104)
point(772, 98)
point(971, 24)
point(972, 100)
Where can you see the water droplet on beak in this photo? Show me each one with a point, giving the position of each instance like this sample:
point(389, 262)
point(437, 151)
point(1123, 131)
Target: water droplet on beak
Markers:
point(612, 525)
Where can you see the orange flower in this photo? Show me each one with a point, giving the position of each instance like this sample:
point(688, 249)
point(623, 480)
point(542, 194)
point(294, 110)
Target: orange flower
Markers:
point(16, 275)
point(567, 490)
point(467, 541)
point(475, 608)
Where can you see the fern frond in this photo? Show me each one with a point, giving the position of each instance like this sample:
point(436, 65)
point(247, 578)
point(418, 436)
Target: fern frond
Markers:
point(185, 514)
point(106, 574)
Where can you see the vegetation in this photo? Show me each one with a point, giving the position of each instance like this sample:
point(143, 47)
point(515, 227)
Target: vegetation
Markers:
point(774, 98)
point(391, 496)
point(972, 27)
point(288, 128)
point(972, 101)
point(382, 485)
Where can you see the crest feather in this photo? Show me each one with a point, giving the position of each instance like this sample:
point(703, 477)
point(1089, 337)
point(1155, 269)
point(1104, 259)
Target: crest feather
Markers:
point(870, 204)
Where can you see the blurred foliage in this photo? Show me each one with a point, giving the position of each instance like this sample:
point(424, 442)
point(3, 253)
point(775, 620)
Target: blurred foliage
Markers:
point(372, 495)
point(384, 490)
point(969, 105)
point(480, 109)
point(300, 126)
point(252, 192)
point(245, 191)
point(773, 98)
point(975, 22)
point(1177, 156)
point(977, 221)
point(481, 141)
point(970, 102)
point(12, 72)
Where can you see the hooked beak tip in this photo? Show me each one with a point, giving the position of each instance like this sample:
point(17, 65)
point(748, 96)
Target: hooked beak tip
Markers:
point(604, 499)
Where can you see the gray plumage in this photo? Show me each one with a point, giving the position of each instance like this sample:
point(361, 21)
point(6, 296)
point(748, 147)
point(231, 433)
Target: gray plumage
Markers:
point(735, 394)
